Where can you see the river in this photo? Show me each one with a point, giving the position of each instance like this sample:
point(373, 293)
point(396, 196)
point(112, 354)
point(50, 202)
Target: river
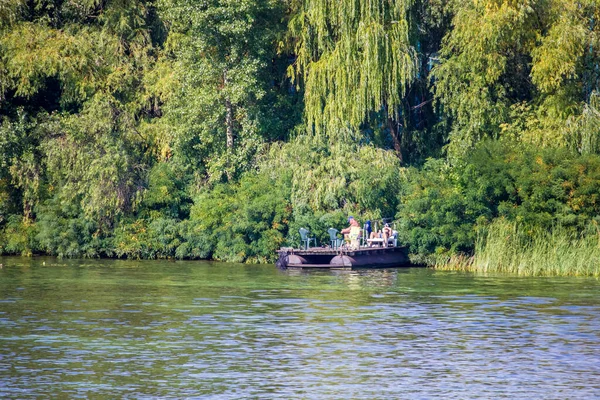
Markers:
point(164, 329)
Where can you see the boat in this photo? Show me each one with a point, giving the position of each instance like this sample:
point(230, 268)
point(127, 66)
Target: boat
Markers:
point(343, 257)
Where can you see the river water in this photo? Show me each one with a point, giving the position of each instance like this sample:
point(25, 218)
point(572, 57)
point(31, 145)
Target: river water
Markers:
point(164, 329)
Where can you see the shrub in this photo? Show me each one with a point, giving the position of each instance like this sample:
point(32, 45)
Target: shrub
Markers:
point(243, 222)
point(18, 237)
point(64, 234)
point(442, 207)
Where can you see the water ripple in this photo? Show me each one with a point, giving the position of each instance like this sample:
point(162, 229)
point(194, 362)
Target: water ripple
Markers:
point(367, 335)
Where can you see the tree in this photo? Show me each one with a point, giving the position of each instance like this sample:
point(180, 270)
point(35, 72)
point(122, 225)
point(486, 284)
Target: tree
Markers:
point(485, 65)
point(517, 69)
point(354, 58)
point(565, 72)
point(223, 52)
point(75, 72)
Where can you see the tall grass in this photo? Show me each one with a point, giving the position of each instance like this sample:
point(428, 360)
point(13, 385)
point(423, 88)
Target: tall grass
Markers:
point(507, 247)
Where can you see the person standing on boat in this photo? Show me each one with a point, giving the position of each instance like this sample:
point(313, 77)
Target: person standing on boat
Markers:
point(352, 232)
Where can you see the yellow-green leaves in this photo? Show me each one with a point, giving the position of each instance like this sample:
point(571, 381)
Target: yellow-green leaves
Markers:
point(33, 52)
point(354, 58)
point(485, 67)
point(556, 60)
point(539, 53)
point(343, 175)
point(10, 10)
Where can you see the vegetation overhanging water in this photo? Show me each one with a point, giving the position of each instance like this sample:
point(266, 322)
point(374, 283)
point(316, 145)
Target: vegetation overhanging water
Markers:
point(180, 129)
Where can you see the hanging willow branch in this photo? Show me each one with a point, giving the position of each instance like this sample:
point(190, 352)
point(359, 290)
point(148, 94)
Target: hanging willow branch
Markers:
point(354, 57)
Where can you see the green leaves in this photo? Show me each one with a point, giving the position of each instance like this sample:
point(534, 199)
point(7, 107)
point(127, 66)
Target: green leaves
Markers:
point(484, 68)
point(353, 58)
point(170, 128)
point(443, 207)
point(540, 54)
point(344, 176)
point(222, 50)
point(244, 222)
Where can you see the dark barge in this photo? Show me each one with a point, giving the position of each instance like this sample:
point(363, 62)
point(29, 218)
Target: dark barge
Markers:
point(343, 258)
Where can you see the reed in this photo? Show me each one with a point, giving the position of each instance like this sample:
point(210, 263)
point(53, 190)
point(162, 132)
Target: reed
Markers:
point(507, 247)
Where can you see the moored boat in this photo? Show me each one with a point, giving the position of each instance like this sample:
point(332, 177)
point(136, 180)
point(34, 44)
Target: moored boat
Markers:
point(343, 257)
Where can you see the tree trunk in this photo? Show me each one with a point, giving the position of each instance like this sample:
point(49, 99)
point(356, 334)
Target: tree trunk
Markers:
point(228, 115)
point(229, 122)
point(27, 212)
point(393, 126)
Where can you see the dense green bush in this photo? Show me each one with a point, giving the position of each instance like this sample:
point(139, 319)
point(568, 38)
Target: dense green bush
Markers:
point(442, 206)
point(141, 238)
point(66, 232)
point(439, 209)
point(240, 222)
point(166, 193)
point(18, 236)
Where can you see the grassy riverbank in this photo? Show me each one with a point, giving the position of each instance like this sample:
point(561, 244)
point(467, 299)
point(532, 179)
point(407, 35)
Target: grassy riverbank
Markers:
point(506, 247)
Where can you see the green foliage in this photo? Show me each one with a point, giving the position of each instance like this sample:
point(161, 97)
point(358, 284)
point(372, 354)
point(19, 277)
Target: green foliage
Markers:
point(224, 52)
point(21, 167)
point(354, 57)
point(583, 131)
point(342, 176)
point(72, 108)
point(77, 67)
point(243, 222)
point(247, 221)
point(484, 67)
point(443, 207)
point(63, 231)
point(501, 54)
point(142, 238)
point(18, 236)
point(330, 182)
point(172, 128)
point(166, 194)
point(91, 165)
point(87, 48)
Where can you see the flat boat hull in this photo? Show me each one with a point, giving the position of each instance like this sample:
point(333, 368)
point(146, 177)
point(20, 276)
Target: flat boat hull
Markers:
point(384, 257)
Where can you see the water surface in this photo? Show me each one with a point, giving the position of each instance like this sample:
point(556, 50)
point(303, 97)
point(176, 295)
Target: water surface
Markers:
point(163, 329)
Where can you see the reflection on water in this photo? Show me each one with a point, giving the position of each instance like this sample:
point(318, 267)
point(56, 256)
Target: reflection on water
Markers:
point(119, 329)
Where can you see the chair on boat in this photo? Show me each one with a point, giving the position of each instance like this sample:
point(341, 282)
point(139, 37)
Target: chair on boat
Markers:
point(393, 239)
point(366, 233)
point(306, 239)
point(334, 239)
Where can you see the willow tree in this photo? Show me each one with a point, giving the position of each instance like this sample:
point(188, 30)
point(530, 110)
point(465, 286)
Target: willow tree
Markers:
point(354, 58)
